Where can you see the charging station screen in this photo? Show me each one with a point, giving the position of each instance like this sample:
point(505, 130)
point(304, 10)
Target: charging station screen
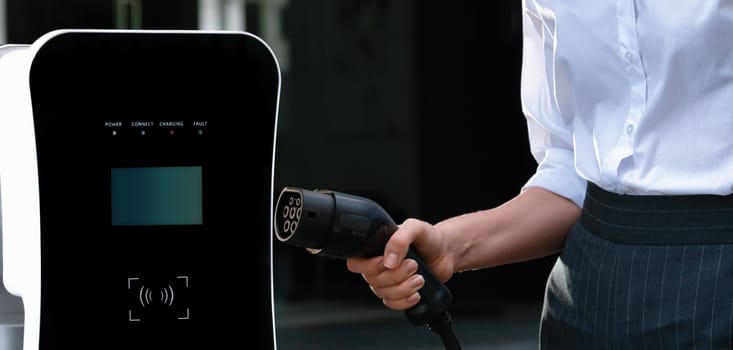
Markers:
point(157, 196)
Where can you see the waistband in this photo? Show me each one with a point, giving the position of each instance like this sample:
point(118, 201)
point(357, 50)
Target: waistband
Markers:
point(658, 219)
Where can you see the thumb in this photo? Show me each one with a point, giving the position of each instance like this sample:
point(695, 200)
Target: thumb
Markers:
point(396, 248)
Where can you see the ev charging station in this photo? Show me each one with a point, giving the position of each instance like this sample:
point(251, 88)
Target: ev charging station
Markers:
point(136, 181)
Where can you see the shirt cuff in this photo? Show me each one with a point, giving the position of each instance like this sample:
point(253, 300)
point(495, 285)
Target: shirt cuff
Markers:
point(556, 173)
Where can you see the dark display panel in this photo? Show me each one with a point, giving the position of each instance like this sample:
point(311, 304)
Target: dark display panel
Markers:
point(156, 196)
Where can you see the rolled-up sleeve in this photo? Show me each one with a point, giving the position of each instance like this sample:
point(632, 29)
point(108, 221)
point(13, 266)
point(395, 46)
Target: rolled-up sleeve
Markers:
point(555, 157)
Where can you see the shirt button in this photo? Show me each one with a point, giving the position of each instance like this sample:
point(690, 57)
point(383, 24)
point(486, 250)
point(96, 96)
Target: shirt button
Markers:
point(629, 129)
point(628, 56)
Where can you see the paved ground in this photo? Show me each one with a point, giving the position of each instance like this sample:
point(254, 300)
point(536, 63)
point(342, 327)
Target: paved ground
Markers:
point(346, 326)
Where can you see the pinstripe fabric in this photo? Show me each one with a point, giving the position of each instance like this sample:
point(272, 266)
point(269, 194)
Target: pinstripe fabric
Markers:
point(604, 294)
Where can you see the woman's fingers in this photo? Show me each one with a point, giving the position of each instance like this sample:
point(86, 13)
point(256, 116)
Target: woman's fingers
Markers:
point(397, 287)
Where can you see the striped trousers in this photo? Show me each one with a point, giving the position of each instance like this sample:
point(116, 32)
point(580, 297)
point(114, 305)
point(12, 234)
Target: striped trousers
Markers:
point(643, 272)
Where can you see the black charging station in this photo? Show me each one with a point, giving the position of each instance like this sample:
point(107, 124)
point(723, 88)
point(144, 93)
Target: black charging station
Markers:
point(145, 222)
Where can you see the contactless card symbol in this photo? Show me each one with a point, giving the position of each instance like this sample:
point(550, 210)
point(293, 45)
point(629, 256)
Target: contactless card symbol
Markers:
point(163, 296)
point(157, 300)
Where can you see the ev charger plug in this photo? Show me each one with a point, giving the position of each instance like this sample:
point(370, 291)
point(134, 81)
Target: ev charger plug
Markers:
point(341, 225)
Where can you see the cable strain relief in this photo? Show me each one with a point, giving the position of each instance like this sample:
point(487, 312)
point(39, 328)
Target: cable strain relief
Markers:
point(441, 324)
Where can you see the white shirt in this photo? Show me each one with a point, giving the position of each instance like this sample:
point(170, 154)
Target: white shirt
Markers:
point(633, 95)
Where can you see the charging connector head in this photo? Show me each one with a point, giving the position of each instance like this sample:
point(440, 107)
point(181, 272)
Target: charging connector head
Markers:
point(331, 223)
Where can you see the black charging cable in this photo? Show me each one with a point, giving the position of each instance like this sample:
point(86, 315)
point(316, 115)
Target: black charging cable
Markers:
point(442, 327)
point(341, 225)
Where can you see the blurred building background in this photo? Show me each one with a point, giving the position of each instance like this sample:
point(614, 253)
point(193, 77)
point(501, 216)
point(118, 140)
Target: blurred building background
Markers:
point(414, 104)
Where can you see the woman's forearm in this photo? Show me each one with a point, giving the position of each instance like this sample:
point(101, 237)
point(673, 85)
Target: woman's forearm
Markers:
point(531, 225)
